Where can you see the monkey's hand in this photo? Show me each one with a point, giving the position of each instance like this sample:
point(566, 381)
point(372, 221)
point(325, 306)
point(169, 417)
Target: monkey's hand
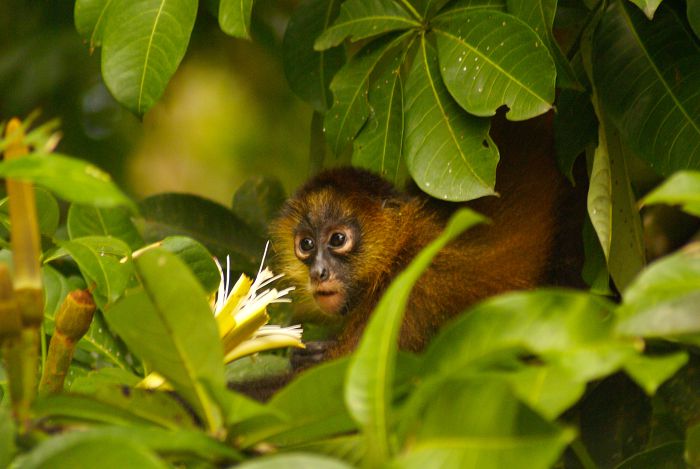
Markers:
point(314, 353)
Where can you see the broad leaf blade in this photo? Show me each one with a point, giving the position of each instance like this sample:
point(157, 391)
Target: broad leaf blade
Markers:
point(539, 15)
point(144, 42)
point(642, 70)
point(683, 188)
point(168, 323)
point(258, 201)
point(350, 86)
point(360, 19)
point(85, 220)
point(69, 178)
point(489, 59)
point(378, 147)
point(234, 17)
point(648, 6)
point(295, 461)
point(448, 152)
point(371, 372)
point(309, 72)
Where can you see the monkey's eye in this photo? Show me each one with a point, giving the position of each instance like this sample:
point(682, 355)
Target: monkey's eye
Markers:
point(306, 244)
point(337, 240)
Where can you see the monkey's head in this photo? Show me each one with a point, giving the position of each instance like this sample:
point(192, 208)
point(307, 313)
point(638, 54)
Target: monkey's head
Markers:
point(334, 234)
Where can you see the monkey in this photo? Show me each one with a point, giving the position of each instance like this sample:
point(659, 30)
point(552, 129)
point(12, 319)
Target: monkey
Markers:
point(347, 233)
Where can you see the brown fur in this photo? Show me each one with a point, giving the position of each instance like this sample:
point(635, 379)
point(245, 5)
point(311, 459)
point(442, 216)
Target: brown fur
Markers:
point(517, 250)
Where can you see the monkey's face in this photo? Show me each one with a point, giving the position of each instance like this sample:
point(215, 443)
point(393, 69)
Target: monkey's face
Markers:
point(327, 251)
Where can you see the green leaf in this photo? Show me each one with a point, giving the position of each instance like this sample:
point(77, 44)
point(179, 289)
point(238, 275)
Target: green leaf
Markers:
point(371, 372)
point(69, 178)
point(575, 128)
point(692, 445)
point(258, 201)
point(573, 331)
point(84, 449)
point(665, 456)
point(84, 220)
point(350, 87)
point(89, 17)
point(83, 409)
point(480, 424)
point(294, 461)
point(360, 19)
point(8, 447)
point(46, 209)
point(455, 9)
point(642, 69)
point(213, 225)
point(549, 390)
point(100, 261)
point(539, 15)
point(158, 408)
point(56, 287)
point(650, 372)
point(378, 146)
point(448, 152)
point(693, 13)
point(169, 324)
point(662, 300)
point(309, 72)
point(682, 188)
point(613, 210)
point(197, 258)
point(234, 17)
point(648, 6)
point(489, 58)
point(144, 42)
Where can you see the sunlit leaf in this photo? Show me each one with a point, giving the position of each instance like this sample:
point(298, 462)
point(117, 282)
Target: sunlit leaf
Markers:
point(652, 371)
point(360, 19)
point(489, 59)
point(648, 6)
point(85, 220)
point(197, 258)
point(309, 72)
point(144, 42)
point(234, 17)
point(295, 461)
point(642, 70)
point(168, 323)
point(480, 424)
point(683, 188)
point(448, 152)
point(371, 372)
point(69, 178)
point(350, 87)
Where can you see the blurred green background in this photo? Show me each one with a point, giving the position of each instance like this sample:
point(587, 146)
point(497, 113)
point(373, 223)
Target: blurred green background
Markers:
point(227, 114)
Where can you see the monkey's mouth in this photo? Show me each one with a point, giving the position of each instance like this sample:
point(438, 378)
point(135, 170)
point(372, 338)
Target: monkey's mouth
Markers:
point(330, 301)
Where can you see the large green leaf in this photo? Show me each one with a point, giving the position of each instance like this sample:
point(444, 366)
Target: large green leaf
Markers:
point(168, 323)
point(378, 146)
point(86, 449)
point(573, 331)
point(46, 210)
point(489, 58)
point(8, 446)
point(456, 8)
point(539, 15)
point(197, 258)
point(643, 71)
point(100, 261)
point(309, 72)
point(613, 210)
point(480, 424)
point(350, 87)
point(448, 152)
point(211, 224)
point(371, 373)
point(648, 6)
point(234, 17)
point(575, 128)
point(84, 220)
point(360, 19)
point(89, 17)
point(257, 201)
point(650, 372)
point(71, 179)
point(144, 42)
point(662, 300)
point(683, 188)
point(693, 12)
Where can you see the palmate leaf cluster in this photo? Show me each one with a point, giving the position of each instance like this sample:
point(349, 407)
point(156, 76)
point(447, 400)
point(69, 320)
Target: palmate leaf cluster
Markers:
point(405, 88)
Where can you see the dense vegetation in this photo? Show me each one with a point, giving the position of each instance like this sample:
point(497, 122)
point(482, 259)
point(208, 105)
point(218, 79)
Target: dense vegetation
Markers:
point(108, 290)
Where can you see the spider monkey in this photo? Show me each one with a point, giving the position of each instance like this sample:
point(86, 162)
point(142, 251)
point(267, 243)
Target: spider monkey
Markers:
point(346, 233)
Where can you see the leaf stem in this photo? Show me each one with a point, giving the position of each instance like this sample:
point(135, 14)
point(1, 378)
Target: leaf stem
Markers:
point(412, 10)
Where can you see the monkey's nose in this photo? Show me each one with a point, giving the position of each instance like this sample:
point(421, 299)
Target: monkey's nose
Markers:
point(320, 274)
